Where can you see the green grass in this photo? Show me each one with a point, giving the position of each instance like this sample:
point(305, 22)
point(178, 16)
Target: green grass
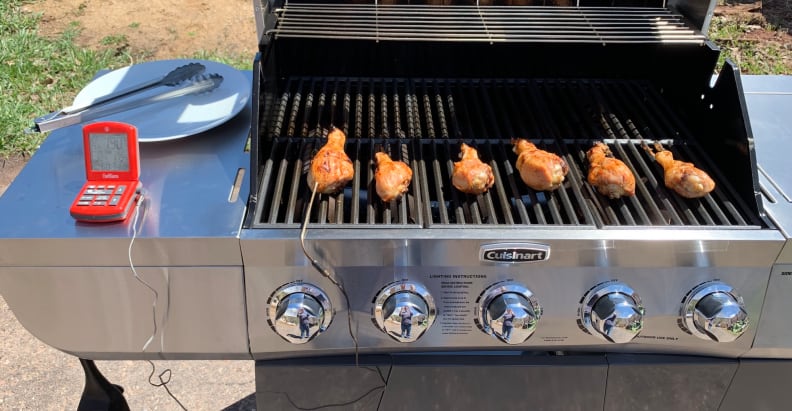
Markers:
point(39, 75)
point(752, 57)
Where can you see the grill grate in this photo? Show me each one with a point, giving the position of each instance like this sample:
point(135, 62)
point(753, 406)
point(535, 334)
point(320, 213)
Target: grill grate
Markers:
point(492, 24)
point(423, 122)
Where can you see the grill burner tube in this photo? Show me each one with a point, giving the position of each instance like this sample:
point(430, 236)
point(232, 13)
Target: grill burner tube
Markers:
point(422, 122)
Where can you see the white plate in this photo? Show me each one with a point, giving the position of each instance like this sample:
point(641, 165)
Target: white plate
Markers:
point(178, 117)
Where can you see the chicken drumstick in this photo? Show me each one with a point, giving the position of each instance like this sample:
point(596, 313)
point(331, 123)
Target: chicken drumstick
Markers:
point(470, 175)
point(682, 177)
point(392, 178)
point(609, 175)
point(539, 169)
point(331, 169)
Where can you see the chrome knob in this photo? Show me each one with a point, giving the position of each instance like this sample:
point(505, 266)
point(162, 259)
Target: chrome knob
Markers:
point(404, 310)
point(508, 311)
point(298, 312)
point(713, 311)
point(612, 311)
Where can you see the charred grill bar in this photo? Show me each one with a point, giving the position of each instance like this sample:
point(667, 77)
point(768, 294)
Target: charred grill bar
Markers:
point(423, 121)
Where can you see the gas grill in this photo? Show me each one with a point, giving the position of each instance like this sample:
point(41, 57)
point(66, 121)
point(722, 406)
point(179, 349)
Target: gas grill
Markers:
point(443, 300)
point(603, 287)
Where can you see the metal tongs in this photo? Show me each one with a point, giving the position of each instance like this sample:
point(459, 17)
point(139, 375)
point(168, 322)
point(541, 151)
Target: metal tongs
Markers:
point(189, 76)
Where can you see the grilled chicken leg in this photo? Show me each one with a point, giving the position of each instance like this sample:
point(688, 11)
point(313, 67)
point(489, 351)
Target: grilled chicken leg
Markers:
point(539, 169)
point(392, 178)
point(609, 175)
point(331, 168)
point(682, 177)
point(470, 175)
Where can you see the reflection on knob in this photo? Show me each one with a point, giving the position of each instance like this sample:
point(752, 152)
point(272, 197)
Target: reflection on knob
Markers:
point(612, 311)
point(712, 311)
point(404, 311)
point(508, 311)
point(298, 312)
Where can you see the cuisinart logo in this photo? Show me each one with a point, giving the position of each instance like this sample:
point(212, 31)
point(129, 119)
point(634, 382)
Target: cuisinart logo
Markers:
point(514, 253)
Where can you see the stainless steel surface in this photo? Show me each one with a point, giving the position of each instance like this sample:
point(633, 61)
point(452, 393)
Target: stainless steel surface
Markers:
point(697, 13)
point(188, 219)
point(661, 265)
point(290, 302)
point(521, 305)
point(612, 311)
point(769, 102)
point(409, 297)
point(479, 23)
point(712, 311)
point(70, 284)
point(103, 313)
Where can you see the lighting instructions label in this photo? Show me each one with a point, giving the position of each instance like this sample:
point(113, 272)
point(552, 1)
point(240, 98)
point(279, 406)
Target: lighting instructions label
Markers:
point(455, 302)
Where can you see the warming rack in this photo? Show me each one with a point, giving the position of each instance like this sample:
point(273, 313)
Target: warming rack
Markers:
point(483, 23)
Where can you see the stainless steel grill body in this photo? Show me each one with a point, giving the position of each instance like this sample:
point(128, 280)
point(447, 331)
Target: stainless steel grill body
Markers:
point(769, 98)
point(418, 80)
point(662, 265)
point(71, 284)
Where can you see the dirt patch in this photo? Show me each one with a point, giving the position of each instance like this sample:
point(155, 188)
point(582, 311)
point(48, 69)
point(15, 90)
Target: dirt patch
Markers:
point(771, 21)
point(9, 168)
point(155, 29)
point(755, 35)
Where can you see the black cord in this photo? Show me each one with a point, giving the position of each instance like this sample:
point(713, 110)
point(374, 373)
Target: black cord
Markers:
point(325, 272)
point(163, 382)
point(378, 371)
point(342, 404)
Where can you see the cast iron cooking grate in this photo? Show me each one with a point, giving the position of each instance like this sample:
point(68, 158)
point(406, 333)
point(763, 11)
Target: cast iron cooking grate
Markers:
point(423, 122)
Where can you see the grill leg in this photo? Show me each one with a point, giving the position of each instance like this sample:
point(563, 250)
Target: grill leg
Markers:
point(100, 394)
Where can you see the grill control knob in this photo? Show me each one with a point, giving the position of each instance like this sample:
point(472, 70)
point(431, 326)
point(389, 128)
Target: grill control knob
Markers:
point(299, 312)
point(713, 311)
point(509, 311)
point(404, 310)
point(613, 311)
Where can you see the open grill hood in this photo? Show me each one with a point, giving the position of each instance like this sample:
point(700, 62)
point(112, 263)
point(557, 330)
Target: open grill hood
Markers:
point(418, 93)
